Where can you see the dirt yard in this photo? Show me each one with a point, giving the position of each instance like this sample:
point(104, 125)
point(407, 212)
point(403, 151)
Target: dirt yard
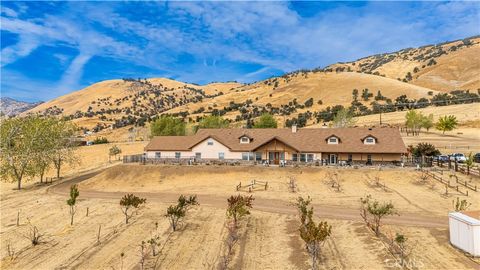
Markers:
point(269, 237)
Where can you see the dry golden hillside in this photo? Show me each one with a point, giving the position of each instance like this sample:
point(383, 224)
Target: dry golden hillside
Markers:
point(114, 89)
point(113, 107)
point(105, 102)
point(444, 67)
point(330, 88)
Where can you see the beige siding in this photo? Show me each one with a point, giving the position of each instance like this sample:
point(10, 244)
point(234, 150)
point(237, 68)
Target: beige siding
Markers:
point(363, 157)
point(211, 151)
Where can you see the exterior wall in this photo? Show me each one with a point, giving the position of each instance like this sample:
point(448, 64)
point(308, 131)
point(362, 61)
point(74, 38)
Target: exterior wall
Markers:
point(463, 235)
point(277, 146)
point(170, 154)
point(211, 151)
point(363, 157)
point(208, 151)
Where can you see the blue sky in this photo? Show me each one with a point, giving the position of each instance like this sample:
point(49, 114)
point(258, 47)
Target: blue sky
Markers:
point(49, 49)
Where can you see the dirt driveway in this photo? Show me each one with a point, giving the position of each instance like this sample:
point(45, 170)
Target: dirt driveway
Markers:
point(261, 204)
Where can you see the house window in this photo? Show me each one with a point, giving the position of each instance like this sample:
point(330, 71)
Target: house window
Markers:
point(369, 159)
point(158, 154)
point(258, 156)
point(309, 157)
point(244, 156)
point(303, 157)
point(244, 140)
point(333, 140)
point(221, 155)
point(369, 140)
point(350, 158)
point(295, 157)
point(198, 155)
point(177, 154)
point(210, 142)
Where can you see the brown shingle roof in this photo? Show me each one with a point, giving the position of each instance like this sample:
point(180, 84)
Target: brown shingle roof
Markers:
point(305, 140)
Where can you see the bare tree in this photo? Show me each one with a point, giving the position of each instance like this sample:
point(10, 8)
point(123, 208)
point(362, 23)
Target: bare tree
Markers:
point(230, 242)
point(11, 251)
point(130, 202)
point(34, 235)
point(154, 243)
point(400, 248)
point(143, 255)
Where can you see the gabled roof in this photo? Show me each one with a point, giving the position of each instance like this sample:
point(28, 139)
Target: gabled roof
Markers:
point(275, 138)
point(304, 140)
point(369, 135)
point(333, 135)
point(202, 139)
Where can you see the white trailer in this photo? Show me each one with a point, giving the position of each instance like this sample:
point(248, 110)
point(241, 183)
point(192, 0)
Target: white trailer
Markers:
point(465, 231)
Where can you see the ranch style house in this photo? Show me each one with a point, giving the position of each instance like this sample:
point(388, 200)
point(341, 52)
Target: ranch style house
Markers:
point(284, 145)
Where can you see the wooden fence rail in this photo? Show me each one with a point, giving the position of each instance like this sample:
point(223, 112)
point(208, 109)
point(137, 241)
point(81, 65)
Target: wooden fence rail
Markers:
point(445, 182)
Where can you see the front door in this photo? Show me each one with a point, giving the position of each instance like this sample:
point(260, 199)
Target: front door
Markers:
point(333, 159)
point(274, 157)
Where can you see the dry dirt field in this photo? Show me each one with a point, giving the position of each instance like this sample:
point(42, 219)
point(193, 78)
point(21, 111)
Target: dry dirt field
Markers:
point(269, 236)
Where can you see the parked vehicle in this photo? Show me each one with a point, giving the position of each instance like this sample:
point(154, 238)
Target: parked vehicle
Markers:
point(476, 157)
point(459, 157)
point(441, 158)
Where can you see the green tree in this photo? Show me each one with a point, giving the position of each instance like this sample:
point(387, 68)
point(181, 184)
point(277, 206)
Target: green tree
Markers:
point(21, 140)
point(447, 123)
point(469, 162)
point(63, 144)
point(176, 212)
point(130, 202)
point(377, 211)
point(425, 149)
point(168, 126)
point(355, 94)
point(74, 193)
point(313, 234)
point(114, 151)
point(413, 120)
point(44, 148)
point(427, 122)
point(213, 121)
point(343, 118)
point(265, 121)
point(238, 206)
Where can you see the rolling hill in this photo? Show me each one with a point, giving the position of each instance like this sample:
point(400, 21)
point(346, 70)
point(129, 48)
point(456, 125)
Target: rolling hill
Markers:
point(12, 107)
point(443, 67)
point(408, 75)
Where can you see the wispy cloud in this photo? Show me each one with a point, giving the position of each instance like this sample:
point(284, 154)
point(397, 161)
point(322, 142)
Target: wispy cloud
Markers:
point(217, 41)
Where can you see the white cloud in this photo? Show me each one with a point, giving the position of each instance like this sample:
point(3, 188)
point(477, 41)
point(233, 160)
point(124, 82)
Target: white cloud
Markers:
point(9, 12)
point(270, 35)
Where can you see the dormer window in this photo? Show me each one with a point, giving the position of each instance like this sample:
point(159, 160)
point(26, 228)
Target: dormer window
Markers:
point(244, 139)
point(369, 140)
point(332, 140)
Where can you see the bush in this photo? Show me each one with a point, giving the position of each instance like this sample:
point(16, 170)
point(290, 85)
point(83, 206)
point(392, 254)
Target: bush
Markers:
point(100, 140)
